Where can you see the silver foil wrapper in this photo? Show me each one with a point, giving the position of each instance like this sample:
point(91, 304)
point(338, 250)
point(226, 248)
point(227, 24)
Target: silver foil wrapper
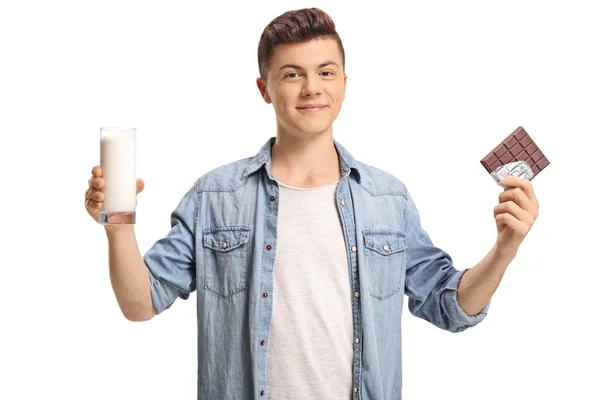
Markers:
point(520, 169)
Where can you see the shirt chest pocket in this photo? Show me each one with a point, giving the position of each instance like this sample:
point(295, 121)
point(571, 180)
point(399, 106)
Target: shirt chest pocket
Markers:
point(385, 259)
point(226, 259)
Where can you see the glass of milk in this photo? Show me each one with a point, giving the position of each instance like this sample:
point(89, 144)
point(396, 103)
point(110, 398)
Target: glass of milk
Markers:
point(118, 161)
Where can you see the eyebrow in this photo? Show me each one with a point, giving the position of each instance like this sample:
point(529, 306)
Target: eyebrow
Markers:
point(326, 63)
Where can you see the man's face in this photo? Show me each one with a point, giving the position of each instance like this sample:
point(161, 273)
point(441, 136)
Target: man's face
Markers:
point(297, 78)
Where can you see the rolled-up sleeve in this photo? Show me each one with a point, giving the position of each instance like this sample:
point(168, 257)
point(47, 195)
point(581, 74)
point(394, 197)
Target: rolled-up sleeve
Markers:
point(460, 319)
point(431, 279)
point(171, 260)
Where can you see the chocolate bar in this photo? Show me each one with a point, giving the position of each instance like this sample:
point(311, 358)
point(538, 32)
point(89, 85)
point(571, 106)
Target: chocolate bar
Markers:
point(516, 155)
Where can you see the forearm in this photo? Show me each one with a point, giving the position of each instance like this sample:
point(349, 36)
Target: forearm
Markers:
point(129, 275)
point(479, 283)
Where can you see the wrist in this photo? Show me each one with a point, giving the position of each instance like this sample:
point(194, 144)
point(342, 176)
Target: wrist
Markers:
point(500, 253)
point(116, 229)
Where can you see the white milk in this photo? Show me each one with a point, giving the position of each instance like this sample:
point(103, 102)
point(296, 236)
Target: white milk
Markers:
point(118, 162)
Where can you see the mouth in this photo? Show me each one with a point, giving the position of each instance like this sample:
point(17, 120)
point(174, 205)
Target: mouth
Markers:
point(312, 108)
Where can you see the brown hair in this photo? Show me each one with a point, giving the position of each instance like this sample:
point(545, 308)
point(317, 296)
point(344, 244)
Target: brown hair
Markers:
point(295, 26)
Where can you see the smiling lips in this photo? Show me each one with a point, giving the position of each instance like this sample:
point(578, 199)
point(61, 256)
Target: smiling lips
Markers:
point(312, 107)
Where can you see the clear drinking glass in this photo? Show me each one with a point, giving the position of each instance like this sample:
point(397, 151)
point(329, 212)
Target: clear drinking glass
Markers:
point(118, 148)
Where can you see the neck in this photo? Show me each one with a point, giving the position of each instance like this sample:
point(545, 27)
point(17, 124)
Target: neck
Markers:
point(305, 162)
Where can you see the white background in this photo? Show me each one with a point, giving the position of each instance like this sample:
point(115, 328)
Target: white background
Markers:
point(432, 88)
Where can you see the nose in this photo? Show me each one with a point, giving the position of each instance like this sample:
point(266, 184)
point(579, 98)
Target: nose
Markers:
point(312, 87)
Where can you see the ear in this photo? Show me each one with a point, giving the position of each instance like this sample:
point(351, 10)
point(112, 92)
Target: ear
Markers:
point(345, 78)
point(264, 93)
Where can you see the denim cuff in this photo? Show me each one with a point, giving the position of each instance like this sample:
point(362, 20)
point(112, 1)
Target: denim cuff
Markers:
point(457, 315)
point(163, 295)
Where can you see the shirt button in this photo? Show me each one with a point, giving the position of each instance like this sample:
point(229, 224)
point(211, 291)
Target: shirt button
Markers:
point(265, 294)
point(386, 247)
point(262, 392)
point(272, 198)
point(357, 340)
point(343, 202)
point(354, 249)
point(224, 245)
point(356, 294)
point(269, 247)
point(262, 342)
point(355, 389)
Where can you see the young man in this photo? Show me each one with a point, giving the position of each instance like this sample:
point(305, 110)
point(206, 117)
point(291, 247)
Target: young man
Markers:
point(301, 254)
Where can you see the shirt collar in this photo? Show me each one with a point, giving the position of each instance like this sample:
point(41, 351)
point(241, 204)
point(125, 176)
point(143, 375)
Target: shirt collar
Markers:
point(263, 157)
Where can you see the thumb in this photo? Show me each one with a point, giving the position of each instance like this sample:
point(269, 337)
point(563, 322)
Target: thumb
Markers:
point(139, 185)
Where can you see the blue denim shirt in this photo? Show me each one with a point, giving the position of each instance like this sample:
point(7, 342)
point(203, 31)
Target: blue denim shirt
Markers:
point(222, 245)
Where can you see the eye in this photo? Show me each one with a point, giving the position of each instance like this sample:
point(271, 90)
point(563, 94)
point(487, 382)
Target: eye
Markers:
point(290, 73)
point(328, 72)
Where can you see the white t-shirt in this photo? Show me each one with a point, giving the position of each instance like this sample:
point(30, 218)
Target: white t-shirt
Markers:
point(310, 347)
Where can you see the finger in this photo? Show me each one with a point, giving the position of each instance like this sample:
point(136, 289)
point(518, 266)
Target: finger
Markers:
point(89, 203)
point(524, 184)
point(513, 209)
point(139, 185)
point(96, 195)
point(520, 198)
point(510, 221)
point(97, 182)
point(97, 171)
